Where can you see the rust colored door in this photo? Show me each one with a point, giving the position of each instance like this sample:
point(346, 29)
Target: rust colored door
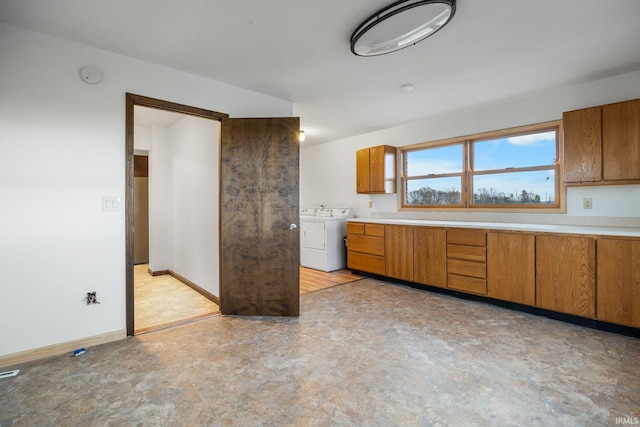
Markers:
point(259, 209)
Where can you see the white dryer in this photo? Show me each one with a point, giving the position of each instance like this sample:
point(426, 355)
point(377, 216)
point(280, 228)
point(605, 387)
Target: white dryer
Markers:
point(322, 233)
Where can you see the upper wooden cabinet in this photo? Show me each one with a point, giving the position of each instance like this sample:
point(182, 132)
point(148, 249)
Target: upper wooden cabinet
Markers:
point(602, 144)
point(621, 141)
point(375, 170)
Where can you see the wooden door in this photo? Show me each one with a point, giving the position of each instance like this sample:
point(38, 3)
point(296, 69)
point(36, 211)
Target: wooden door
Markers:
point(582, 145)
point(511, 267)
point(619, 281)
point(430, 256)
point(259, 253)
point(621, 140)
point(140, 210)
point(362, 171)
point(566, 274)
point(399, 251)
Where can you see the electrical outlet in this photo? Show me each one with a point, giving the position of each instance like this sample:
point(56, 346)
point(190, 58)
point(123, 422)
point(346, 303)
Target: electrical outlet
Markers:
point(587, 203)
point(370, 204)
point(92, 298)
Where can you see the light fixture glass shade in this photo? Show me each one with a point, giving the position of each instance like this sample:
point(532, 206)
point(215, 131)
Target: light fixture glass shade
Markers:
point(401, 24)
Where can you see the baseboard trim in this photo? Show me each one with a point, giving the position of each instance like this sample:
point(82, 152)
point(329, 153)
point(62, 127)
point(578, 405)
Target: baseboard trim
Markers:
point(60, 348)
point(195, 287)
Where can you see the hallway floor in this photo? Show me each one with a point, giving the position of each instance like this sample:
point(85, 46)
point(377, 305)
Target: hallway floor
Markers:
point(163, 301)
point(367, 353)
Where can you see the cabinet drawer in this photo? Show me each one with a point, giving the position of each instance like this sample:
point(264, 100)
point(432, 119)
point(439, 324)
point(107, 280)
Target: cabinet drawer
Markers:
point(365, 262)
point(374, 230)
point(468, 253)
point(467, 268)
point(366, 244)
point(464, 236)
point(355, 228)
point(467, 284)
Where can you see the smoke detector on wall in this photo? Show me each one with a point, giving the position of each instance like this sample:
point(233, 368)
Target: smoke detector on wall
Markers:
point(91, 75)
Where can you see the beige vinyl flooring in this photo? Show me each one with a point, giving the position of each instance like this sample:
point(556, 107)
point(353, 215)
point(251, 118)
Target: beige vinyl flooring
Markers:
point(163, 301)
point(366, 353)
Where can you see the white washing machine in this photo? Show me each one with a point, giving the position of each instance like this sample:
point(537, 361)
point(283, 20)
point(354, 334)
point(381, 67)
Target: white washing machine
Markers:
point(322, 233)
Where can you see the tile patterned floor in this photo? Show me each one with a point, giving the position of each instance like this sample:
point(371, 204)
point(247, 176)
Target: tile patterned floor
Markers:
point(163, 300)
point(367, 353)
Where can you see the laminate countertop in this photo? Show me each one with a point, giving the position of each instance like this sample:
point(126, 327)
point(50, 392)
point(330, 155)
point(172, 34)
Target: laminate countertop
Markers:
point(504, 226)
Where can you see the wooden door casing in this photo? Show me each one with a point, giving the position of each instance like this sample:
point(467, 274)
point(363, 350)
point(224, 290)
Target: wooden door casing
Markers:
point(259, 253)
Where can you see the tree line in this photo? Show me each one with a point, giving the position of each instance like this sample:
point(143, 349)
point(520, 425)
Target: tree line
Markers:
point(482, 196)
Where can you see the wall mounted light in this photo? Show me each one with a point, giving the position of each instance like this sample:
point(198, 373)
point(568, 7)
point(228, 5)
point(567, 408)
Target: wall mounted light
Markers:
point(401, 24)
point(301, 136)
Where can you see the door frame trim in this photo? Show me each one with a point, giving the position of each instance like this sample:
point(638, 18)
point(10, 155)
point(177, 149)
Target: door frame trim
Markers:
point(131, 101)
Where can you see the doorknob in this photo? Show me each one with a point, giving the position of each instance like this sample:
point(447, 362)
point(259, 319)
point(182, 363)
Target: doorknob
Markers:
point(293, 227)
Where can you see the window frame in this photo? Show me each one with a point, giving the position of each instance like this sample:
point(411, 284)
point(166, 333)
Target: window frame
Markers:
point(468, 173)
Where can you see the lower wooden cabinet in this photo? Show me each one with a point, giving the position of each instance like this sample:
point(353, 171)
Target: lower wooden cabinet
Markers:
point(399, 252)
point(430, 256)
point(566, 274)
point(366, 250)
point(467, 260)
point(619, 281)
point(511, 274)
point(557, 272)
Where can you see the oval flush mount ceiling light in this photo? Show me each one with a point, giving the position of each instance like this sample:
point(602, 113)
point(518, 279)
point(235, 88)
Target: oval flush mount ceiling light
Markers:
point(401, 24)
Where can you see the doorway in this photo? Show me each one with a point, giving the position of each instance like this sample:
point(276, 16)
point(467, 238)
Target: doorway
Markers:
point(159, 273)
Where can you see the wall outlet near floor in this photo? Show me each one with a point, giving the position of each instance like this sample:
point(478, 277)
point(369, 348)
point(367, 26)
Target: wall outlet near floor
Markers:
point(92, 298)
point(587, 203)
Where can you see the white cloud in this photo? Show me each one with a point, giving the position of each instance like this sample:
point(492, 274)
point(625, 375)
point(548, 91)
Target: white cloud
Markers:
point(532, 139)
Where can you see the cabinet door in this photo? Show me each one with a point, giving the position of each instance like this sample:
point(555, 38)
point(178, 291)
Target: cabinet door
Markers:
point(399, 251)
point(583, 145)
point(565, 274)
point(619, 281)
point(621, 140)
point(511, 267)
point(362, 170)
point(430, 256)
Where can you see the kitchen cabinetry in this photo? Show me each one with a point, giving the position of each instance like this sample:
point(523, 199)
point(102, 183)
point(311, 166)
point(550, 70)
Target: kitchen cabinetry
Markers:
point(621, 141)
point(619, 281)
point(553, 271)
point(366, 247)
point(399, 252)
point(565, 274)
point(511, 267)
point(375, 170)
point(602, 144)
point(429, 256)
point(467, 260)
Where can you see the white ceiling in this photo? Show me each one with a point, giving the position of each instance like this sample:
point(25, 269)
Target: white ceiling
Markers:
point(298, 50)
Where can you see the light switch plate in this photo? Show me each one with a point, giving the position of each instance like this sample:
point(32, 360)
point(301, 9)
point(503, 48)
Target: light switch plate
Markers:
point(110, 204)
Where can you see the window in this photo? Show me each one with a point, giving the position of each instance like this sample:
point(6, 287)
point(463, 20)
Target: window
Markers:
point(515, 168)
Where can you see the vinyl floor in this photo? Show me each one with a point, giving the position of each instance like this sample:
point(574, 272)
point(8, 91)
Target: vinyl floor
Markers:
point(366, 353)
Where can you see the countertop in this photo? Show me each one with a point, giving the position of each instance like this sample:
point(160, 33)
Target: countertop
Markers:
point(539, 228)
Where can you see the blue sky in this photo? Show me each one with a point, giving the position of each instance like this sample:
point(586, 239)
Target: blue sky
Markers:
point(522, 151)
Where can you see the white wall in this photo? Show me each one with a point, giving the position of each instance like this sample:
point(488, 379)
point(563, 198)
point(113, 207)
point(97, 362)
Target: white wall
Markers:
point(62, 148)
point(327, 171)
point(160, 231)
point(194, 201)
